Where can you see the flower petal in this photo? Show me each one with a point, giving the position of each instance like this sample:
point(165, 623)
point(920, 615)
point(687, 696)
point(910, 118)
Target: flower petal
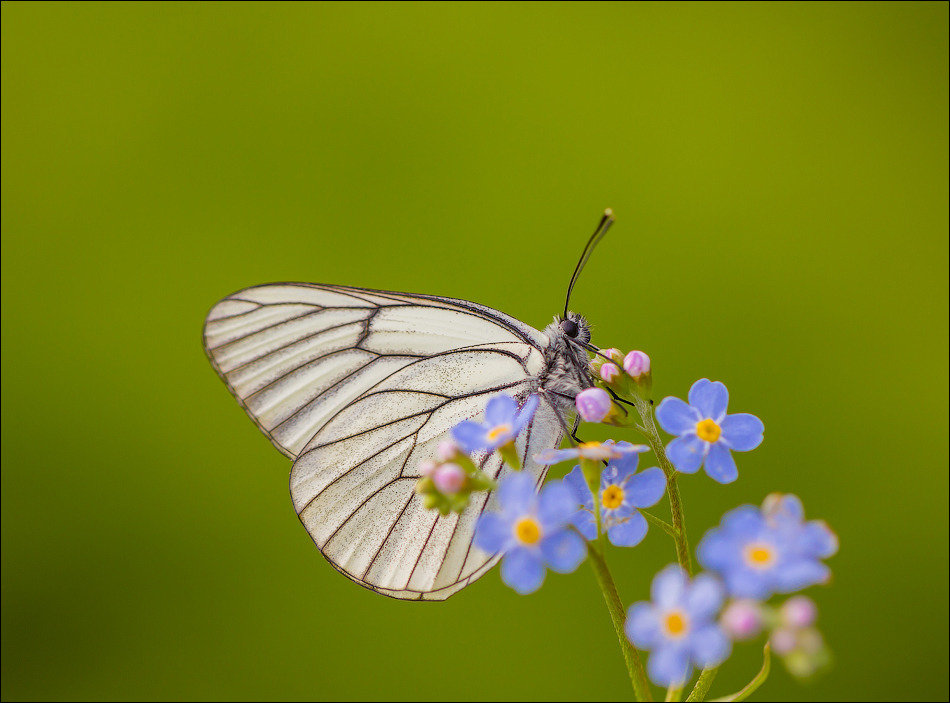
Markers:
point(527, 412)
point(492, 533)
point(669, 665)
point(720, 466)
point(643, 625)
point(584, 521)
point(746, 520)
point(501, 410)
point(627, 462)
point(710, 646)
point(704, 597)
point(746, 583)
point(563, 551)
point(556, 505)
point(800, 574)
point(556, 456)
point(742, 431)
point(628, 533)
point(516, 494)
point(686, 453)
point(578, 485)
point(676, 417)
point(710, 398)
point(523, 570)
point(669, 587)
point(815, 539)
point(470, 436)
point(718, 551)
point(646, 488)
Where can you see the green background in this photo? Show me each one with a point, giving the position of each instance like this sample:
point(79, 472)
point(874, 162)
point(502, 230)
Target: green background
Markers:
point(779, 175)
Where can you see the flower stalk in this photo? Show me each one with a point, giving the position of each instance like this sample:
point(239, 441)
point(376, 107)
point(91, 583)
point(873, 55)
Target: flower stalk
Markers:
point(638, 678)
point(645, 409)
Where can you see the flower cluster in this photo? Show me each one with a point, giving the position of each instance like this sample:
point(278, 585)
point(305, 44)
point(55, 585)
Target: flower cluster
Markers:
point(690, 621)
point(758, 552)
point(448, 481)
point(753, 554)
point(616, 375)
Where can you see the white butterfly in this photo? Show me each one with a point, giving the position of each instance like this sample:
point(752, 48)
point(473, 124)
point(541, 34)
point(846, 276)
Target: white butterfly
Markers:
point(359, 386)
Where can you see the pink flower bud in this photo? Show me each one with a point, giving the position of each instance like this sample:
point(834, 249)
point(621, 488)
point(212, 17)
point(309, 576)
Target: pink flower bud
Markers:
point(742, 619)
point(447, 450)
point(636, 363)
point(613, 353)
point(593, 404)
point(427, 468)
point(799, 612)
point(609, 372)
point(449, 478)
point(783, 640)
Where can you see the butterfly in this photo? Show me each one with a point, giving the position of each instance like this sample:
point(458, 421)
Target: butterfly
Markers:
point(358, 386)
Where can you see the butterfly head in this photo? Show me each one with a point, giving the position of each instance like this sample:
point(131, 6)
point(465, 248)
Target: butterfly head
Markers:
point(572, 326)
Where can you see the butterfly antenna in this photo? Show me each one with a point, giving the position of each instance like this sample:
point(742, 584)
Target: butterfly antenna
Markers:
point(606, 220)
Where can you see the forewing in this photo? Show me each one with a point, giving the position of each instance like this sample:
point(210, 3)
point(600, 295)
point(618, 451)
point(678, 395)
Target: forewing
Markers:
point(359, 386)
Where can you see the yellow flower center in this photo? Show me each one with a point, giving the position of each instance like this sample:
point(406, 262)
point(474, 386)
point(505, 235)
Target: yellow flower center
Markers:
point(588, 445)
point(707, 430)
point(759, 556)
point(527, 530)
point(500, 431)
point(612, 497)
point(675, 623)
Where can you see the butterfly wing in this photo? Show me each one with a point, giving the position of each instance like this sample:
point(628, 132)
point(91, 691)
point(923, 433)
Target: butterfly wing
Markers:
point(358, 387)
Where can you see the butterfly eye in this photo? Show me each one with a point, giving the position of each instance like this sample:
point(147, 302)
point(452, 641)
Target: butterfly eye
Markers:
point(569, 327)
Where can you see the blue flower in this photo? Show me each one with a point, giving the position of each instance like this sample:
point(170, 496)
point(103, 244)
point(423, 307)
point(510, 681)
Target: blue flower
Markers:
point(532, 531)
point(706, 434)
point(503, 422)
point(593, 451)
point(622, 491)
point(772, 550)
point(679, 626)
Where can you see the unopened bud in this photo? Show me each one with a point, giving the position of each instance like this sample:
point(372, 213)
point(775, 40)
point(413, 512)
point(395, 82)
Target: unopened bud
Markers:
point(636, 363)
point(593, 404)
point(609, 373)
point(449, 478)
point(799, 612)
point(742, 619)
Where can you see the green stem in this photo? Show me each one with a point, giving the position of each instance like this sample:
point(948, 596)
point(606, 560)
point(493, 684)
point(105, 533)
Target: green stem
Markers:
point(674, 693)
point(702, 685)
point(678, 531)
point(755, 682)
point(662, 524)
point(672, 490)
point(638, 678)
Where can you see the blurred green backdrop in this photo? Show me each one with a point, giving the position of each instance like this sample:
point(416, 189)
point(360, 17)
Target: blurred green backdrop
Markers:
point(779, 173)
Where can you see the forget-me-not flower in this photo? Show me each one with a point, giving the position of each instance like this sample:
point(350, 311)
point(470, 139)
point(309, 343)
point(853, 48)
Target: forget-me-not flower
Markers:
point(622, 492)
point(593, 451)
point(772, 550)
point(706, 434)
point(503, 423)
point(679, 626)
point(532, 530)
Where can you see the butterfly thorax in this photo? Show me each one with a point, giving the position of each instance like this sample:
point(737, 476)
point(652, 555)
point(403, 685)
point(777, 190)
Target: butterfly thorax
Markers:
point(567, 364)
